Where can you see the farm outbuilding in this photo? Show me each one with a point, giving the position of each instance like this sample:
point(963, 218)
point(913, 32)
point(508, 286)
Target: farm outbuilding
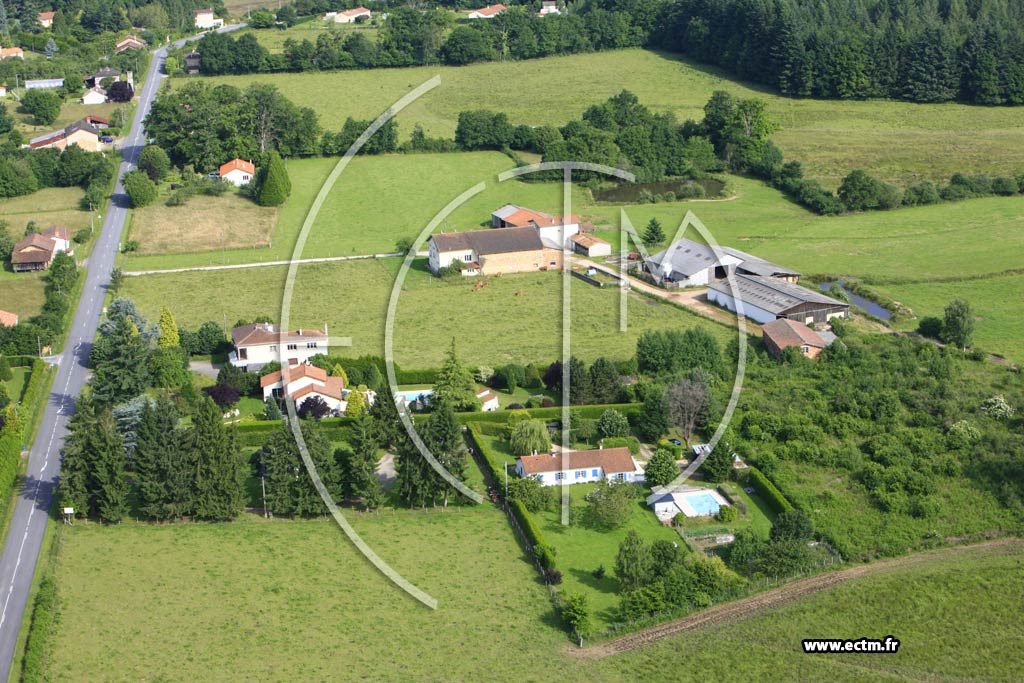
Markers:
point(769, 298)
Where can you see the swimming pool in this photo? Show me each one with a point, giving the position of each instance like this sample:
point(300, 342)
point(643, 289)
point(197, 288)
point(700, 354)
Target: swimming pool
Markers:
point(703, 503)
point(413, 394)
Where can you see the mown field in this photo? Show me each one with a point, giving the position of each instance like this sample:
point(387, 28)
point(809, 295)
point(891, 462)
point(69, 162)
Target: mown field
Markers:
point(895, 140)
point(285, 601)
point(22, 293)
point(514, 318)
point(203, 224)
point(69, 113)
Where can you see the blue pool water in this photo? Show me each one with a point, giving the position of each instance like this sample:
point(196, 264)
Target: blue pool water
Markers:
point(414, 394)
point(703, 503)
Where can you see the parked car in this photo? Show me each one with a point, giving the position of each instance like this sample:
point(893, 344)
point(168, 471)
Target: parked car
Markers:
point(675, 442)
point(106, 138)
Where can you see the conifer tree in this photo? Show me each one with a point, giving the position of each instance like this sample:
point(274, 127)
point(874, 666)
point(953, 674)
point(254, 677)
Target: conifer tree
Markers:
point(169, 337)
point(164, 468)
point(220, 494)
point(124, 374)
point(276, 185)
point(386, 421)
point(359, 466)
point(356, 404)
point(653, 233)
point(290, 489)
point(455, 383)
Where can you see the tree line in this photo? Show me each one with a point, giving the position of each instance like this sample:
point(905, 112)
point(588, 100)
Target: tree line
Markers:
point(899, 49)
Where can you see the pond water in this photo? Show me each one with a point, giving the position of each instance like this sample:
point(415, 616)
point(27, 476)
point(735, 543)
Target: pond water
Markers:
point(870, 306)
point(632, 192)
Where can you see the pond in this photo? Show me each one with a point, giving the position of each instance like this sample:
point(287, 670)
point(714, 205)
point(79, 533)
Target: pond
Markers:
point(870, 306)
point(626, 193)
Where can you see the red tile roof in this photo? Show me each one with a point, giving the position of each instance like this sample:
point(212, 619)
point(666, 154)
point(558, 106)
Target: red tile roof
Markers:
point(355, 12)
point(785, 333)
point(43, 16)
point(58, 231)
point(587, 241)
point(239, 165)
point(267, 333)
point(8, 319)
point(490, 10)
point(611, 460)
point(294, 374)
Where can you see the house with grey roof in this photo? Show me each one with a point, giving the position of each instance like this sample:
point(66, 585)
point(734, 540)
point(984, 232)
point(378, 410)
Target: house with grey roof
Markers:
point(769, 298)
point(490, 252)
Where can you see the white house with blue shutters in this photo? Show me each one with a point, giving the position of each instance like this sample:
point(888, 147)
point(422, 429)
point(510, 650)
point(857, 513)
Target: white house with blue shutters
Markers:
point(580, 467)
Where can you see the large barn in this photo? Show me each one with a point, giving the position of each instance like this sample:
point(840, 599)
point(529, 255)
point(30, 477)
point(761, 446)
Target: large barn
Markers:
point(769, 298)
point(686, 263)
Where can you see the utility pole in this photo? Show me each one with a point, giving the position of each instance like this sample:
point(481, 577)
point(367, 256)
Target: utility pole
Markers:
point(506, 481)
point(92, 222)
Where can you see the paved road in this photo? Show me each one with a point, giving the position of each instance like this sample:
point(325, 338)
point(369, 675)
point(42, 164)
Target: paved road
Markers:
point(21, 549)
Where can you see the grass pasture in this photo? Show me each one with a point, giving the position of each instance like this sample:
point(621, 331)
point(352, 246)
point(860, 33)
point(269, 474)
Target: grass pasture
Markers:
point(69, 113)
point(895, 140)
point(274, 38)
point(285, 601)
point(379, 200)
point(512, 318)
point(204, 224)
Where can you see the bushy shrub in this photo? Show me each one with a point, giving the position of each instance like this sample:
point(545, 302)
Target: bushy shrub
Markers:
point(767, 490)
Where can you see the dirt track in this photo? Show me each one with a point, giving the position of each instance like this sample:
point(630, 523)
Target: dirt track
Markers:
point(770, 599)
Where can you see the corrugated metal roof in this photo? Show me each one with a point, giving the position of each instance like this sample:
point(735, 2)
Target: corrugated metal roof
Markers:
point(772, 294)
point(687, 258)
point(756, 265)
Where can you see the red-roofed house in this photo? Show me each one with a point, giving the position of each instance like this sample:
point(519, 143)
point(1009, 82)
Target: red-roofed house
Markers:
point(12, 53)
point(129, 42)
point(257, 344)
point(488, 12)
point(488, 399)
point(46, 19)
point(783, 333)
point(350, 16)
point(8, 319)
point(305, 381)
point(548, 225)
point(580, 467)
point(238, 172)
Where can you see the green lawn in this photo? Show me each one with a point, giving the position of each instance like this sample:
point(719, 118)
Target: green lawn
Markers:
point(16, 384)
point(515, 318)
point(22, 293)
point(580, 550)
point(286, 601)
point(999, 325)
point(896, 140)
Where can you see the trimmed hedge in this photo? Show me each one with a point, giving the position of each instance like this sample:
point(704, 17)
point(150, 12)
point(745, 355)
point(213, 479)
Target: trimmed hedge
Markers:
point(252, 434)
point(767, 490)
point(10, 453)
point(533, 535)
point(415, 376)
point(630, 442)
point(676, 451)
point(546, 414)
point(41, 631)
point(30, 394)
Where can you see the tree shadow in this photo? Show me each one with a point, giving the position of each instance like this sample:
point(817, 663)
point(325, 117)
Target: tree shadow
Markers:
point(38, 490)
point(606, 584)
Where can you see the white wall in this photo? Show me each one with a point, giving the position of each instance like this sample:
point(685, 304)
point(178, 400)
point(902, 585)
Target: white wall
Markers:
point(437, 260)
point(758, 315)
point(265, 353)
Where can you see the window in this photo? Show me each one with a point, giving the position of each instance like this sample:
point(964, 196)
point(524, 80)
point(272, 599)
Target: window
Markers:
point(273, 349)
point(580, 474)
point(805, 349)
point(595, 473)
point(467, 258)
point(310, 345)
point(621, 476)
point(292, 347)
point(243, 353)
point(559, 475)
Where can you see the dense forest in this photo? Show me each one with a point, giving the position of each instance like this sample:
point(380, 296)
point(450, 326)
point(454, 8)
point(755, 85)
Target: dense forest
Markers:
point(918, 50)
